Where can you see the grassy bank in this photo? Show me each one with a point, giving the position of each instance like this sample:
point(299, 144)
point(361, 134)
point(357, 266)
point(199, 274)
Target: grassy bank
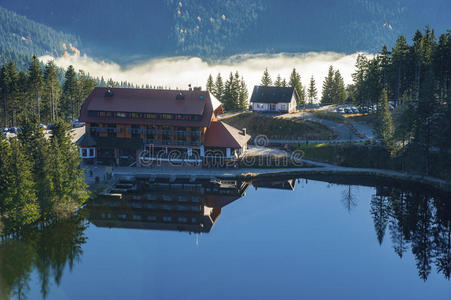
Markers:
point(276, 128)
point(375, 156)
point(329, 115)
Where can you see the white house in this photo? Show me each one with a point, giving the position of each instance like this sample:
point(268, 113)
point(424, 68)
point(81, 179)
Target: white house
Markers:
point(274, 98)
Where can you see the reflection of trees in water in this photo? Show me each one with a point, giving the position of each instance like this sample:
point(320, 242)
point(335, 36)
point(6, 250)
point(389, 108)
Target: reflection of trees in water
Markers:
point(348, 198)
point(47, 251)
point(418, 220)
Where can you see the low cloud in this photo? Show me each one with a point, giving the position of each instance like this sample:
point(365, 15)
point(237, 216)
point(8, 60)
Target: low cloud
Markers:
point(178, 72)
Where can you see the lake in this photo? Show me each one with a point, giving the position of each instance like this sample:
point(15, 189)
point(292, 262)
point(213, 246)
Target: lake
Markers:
point(293, 239)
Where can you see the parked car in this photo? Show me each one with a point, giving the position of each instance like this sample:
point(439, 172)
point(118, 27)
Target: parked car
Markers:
point(77, 124)
point(391, 107)
point(364, 109)
point(42, 126)
point(354, 110)
point(13, 130)
point(348, 110)
point(340, 110)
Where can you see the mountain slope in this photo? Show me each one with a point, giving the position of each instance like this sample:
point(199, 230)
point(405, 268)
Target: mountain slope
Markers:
point(20, 38)
point(140, 29)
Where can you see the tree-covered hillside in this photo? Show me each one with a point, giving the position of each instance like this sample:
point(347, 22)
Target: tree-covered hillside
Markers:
point(20, 38)
point(127, 31)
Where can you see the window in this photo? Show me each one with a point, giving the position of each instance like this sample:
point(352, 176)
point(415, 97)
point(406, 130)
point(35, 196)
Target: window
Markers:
point(137, 116)
point(167, 116)
point(150, 116)
point(121, 115)
point(87, 152)
point(105, 114)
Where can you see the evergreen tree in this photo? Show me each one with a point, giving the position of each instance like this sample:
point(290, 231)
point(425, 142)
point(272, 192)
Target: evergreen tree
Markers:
point(278, 81)
point(243, 104)
point(219, 88)
point(35, 80)
point(5, 89)
point(67, 190)
point(339, 90)
point(400, 67)
point(295, 82)
point(284, 83)
point(312, 92)
point(328, 87)
point(85, 86)
point(69, 96)
point(21, 207)
point(266, 78)
point(228, 93)
point(52, 91)
point(385, 122)
point(210, 86)
point(15, 99)
point(5, 174)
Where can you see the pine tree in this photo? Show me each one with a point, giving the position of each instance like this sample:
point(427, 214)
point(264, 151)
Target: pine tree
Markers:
point(266, 78)
point(284, 83)
point(69, 96)
point(339, 88)
point(210, 86)
point(228, 93)
point(14, 92)
point(295, 82)
point(85, 86)
point(328, 87)
point(359, 78)
point(35, 80)
point(385, 122)
point(312, 92)
point(52, 91)
point(5, 89)
point(278, 81)
point(5, 174)
point(67, 190)
point(219, 88)
point(243, 104)
point(21, 207)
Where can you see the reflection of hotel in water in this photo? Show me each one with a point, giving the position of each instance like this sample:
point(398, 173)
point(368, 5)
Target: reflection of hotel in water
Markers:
point(192, 207)
point(171, 205)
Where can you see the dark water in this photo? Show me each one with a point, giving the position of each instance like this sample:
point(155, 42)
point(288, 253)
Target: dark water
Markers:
point(318, 241)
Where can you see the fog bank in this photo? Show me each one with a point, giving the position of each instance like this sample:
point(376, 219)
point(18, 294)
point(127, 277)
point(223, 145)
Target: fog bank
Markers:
point(178, 72)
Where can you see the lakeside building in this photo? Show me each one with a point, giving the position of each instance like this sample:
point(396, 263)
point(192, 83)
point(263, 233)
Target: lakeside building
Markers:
point(274, 99)
point(123, 126)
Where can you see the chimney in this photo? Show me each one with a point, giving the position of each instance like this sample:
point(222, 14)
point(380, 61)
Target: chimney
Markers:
point(109, 93)
point(180, 96)
point(243, 131)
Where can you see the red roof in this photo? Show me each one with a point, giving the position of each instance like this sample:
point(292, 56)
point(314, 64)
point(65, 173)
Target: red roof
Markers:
point(148, 101)
point(222, 135)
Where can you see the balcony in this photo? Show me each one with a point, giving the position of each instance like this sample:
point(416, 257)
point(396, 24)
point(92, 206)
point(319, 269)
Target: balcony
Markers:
point(182, 133)
point(172, 143)
point(103, 129)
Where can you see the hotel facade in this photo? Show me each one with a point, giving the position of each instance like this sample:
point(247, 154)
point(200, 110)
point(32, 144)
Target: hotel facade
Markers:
point(139, 126)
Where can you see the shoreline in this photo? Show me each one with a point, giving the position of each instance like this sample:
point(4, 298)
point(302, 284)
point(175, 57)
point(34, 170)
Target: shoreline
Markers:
point(318, 169)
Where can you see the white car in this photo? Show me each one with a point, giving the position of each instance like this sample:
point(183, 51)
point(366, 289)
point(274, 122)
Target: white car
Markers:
point(77, 124)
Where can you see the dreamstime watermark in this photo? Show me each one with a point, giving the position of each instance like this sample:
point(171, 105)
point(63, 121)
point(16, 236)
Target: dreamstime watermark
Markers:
point(259, 155)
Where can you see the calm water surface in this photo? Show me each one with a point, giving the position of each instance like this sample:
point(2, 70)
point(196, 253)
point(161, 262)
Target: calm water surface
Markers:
point(318, 241)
